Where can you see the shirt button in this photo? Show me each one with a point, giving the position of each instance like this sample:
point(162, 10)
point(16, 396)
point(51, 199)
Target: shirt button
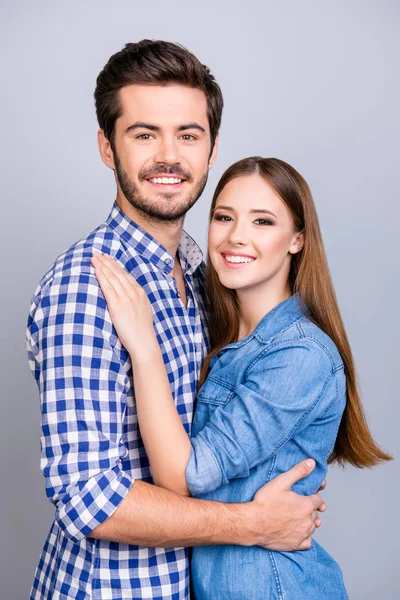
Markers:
point(167, 261)
point(178, 295)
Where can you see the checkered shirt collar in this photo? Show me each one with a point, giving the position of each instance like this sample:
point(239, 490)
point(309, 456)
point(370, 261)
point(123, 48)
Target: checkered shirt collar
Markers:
point(149, 248)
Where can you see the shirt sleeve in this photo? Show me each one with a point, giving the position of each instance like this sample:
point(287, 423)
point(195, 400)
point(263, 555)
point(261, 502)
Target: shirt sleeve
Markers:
point(76, 360)
point(283, 392)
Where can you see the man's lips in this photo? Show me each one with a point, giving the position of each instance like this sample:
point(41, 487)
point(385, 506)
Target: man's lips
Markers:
point(166, 182)
point(235, 260)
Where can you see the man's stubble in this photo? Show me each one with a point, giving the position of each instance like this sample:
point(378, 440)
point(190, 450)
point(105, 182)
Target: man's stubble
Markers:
point(153, 210)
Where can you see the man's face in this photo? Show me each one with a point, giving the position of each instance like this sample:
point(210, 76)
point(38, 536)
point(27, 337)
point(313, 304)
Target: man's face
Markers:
point(162, 149)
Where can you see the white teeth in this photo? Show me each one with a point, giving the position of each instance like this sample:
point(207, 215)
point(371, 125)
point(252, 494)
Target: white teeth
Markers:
point(167, 180)
point(238, 259)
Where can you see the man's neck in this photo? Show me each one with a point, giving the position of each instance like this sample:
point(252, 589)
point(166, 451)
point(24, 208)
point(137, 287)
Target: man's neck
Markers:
point(167, 233)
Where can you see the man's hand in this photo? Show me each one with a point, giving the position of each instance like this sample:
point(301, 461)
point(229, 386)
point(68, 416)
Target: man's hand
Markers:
point(287, 521)
point(277, 518)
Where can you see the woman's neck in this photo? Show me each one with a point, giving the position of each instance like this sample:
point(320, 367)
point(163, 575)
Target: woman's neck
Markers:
point(255, 303)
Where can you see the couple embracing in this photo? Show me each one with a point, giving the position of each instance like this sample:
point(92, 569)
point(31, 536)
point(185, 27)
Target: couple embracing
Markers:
point(183, 404)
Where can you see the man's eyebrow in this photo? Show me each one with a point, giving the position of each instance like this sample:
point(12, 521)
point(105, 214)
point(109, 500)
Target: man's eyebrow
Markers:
point(151, 127)
point(191, 126)
point(252, 211)
point(142, 125)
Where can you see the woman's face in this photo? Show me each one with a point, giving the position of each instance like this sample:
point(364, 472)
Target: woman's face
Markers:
point(252, 236)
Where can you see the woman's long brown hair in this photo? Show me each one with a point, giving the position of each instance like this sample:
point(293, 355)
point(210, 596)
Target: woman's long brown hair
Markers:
point(310, 276)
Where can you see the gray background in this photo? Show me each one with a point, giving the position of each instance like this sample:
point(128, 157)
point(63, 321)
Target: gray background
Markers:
point(313, 83)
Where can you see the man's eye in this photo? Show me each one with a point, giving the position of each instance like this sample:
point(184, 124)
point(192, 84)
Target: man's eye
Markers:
point(264, 222)
point(225, 218)
point(188, 137)
point(143, 136)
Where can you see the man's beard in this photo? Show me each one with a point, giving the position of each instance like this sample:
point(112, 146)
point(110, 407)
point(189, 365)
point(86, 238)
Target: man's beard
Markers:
point(157, 211)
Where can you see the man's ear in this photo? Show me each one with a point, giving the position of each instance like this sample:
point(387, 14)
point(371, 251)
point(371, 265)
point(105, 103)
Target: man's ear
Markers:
point(214, 153)
point(106, 153)
point(297, 243)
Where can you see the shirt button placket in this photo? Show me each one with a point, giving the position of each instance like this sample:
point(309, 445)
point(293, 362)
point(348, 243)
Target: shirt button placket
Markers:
point(167, 261)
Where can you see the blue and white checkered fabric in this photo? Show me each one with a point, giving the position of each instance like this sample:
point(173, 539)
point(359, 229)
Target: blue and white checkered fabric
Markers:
point(91, 450)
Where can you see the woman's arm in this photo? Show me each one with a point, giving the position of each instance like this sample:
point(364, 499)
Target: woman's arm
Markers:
point(281, 395)
point(165, 439)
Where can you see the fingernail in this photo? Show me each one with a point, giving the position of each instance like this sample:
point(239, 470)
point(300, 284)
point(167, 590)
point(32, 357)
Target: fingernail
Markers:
point(310, 463)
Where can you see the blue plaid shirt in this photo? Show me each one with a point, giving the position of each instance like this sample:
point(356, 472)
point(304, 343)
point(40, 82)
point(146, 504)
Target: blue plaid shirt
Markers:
point(91, 449)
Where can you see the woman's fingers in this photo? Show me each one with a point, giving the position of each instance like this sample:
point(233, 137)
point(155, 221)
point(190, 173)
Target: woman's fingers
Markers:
point(108, 281)
point(125, 279)
point(109, 268)
point(116, 268)
point(105, 285)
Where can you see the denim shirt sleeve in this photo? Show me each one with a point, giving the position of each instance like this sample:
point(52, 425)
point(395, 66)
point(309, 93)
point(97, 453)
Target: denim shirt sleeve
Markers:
point(284, 390)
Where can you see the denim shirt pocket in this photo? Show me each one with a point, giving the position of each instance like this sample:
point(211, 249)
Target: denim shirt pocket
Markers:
point(215, 392)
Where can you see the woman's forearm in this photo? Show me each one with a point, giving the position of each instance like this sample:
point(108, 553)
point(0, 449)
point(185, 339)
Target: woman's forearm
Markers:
point(165, 439)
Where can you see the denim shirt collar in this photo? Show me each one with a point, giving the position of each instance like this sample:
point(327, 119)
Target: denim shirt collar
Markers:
point(150, 249)
point(276, 320)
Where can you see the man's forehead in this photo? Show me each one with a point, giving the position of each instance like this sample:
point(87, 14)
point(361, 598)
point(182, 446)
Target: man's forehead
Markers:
point(163, 104)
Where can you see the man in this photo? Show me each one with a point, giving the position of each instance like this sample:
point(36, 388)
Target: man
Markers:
point(115, 535)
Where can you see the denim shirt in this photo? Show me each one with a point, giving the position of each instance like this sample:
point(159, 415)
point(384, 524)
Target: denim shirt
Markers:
point(270, 400)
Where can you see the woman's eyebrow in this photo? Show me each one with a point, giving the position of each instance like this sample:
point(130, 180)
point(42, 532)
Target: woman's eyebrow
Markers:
point(223, 207)
point(252, 211)
point(263, 210)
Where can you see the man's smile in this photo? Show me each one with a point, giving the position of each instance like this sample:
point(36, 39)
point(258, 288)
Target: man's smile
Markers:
point(166, 182)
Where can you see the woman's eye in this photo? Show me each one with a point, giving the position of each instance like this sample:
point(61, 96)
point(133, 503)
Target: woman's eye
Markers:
point(225, 218)
point(264, 222)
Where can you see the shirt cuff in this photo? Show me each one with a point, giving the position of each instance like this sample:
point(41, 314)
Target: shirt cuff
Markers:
point(203, 473)
point(83, 509)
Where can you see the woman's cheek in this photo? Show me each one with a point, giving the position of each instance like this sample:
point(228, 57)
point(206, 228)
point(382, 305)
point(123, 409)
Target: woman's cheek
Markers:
point(215, 239)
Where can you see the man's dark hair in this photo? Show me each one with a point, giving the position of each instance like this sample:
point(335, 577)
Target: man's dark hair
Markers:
point(153, 62)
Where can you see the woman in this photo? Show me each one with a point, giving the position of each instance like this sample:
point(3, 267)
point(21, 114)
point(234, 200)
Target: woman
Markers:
point(278, 385)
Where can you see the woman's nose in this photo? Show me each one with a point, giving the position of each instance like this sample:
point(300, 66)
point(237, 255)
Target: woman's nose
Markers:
point(238, 235)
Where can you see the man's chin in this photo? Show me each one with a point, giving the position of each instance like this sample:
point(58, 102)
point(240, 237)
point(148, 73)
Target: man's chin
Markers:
point(165, 214)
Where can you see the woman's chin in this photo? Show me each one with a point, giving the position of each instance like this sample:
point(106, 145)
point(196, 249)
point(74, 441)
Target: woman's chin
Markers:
point(232, 282)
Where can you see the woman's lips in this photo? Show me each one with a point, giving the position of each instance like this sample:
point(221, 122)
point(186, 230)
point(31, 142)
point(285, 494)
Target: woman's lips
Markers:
point(237, 265)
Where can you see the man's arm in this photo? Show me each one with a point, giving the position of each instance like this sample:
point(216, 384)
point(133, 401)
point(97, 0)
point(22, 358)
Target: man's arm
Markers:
point(277, 518)
point(83, 385)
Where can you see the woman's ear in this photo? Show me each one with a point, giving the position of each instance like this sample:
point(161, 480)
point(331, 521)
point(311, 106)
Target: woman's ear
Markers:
point(297, 243)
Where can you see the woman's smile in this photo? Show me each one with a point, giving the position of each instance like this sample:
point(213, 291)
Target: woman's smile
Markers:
point(234, 260)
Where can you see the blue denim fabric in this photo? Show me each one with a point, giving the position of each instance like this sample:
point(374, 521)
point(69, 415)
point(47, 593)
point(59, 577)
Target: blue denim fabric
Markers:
point(270, 400)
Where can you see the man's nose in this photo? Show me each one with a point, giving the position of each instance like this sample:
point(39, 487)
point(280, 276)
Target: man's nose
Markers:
point(167, 151)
